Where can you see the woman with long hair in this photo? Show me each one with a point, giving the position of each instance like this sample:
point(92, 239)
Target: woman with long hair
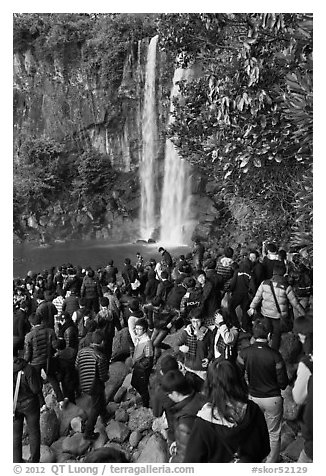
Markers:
point(229, 425)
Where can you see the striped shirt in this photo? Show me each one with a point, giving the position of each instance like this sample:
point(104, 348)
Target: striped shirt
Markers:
point(88, 360)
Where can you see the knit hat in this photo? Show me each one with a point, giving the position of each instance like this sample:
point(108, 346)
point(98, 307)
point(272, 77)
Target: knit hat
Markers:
point(303, 325)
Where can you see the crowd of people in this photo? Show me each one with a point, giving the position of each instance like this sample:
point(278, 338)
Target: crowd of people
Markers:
point(219, 386)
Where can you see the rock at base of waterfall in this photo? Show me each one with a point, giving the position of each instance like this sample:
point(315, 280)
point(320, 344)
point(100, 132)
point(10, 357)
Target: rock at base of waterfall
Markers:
point(121, 415)
point(76, 424)
point(290, 408)
point(294, 449)
point(155, 451)
point(117, 431)
point(75, 444)
point(118, 397)
point(135, 438)
point(141, 419)
point(118, 371)
point(64, 458)
point(47, 455)
point(71, 411)
point(50, 426)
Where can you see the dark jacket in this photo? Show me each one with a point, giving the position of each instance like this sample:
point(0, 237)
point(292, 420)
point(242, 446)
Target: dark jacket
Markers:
point(38, 342)
point(184, 415)
point(129, 274)
point(151, 288)
point(21, 326)
point(175, 296)
point(307, 423)
point(69, 333)
point(92, 366)
point(30, 384)
point(70, 304)
point(90, 288)
point(163, 289)
point(265, 370)
point(204, 347)
point(47, 311)
point(209, 437)
point(167, 258)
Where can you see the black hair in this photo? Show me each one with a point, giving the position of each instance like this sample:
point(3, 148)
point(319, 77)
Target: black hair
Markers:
point(228, 252)
point(164, 274)
point(271, 247)
point(196, 313)
point(174, 380)
point(142, 322)
point(106, 455)
point(224, 389)
point(279, 268)
point(260, 329)
point(168, 362)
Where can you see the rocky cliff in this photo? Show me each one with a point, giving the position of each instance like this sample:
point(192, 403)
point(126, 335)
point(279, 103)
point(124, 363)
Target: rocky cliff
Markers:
point(65, 101)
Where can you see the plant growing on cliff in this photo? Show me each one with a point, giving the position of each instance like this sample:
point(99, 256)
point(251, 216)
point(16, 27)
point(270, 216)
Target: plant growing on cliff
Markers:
point(248, 119)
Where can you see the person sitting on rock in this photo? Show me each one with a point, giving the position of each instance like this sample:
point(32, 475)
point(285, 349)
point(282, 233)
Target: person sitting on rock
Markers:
point(142, 359)
point(93, 370)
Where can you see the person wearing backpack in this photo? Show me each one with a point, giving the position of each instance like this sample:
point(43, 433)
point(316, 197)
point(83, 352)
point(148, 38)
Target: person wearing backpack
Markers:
point(275, 295)
point(26, 386)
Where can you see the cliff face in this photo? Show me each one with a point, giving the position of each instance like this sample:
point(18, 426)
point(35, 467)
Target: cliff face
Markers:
point(64, 101)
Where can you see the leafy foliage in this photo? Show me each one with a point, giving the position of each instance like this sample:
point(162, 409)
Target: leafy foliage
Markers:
point(247, 121)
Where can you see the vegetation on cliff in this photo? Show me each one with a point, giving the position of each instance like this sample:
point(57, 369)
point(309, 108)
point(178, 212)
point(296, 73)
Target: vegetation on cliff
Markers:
point(248, 120)
point(245, 123)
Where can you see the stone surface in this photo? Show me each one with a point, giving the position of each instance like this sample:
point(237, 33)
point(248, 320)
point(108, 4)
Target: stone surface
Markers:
point(155, 451)
point(72, 411)
point(47, 454)
point(64, 458)
point(75, 444)
point(160, 424)
point(294, 449)
point(57, 445)
point(118, 397)
point(112, 407)
point(287, 435)
point(121, 415)
point(135, 438)
point(50, 426)
point(117, 431)
point(141, 419)
point(76, 424)
point(118, 371)
point(290, 408)
point(290, 347)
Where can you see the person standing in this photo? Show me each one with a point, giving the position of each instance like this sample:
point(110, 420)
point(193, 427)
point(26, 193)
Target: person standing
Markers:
point(93, 370)
point(275, 295)
point(266, 373)
point(91, 291)
point(142, 359)
point(27, 406)
point(198, 254)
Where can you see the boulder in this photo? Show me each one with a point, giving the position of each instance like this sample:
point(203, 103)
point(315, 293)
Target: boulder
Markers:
point(102, 439)
point(111, 408)
point(64, 458)
point(141, 419)
point(127, 381)
point(117, 431)
point(287, 435)
point(160, 424)
point(294, 449)
point(290, 408)
point(155, 451)
point(76, 424)
point(121, 345)
point(143, 442)
point(51, 401)
point(47, 454)
point(118, 447)
point(50, 426)
point(71, 411)
point(57, 445)
point(75, 444)
point(135, 438)
point(118, 397)
point(118, 371)
point(121, 415)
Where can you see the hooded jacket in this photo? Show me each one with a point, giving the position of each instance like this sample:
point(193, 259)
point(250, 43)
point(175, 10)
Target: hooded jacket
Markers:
point(210, 435)
point(184, 415)
point(284, 294)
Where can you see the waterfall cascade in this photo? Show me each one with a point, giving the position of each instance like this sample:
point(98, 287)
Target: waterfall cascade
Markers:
point(175, 219)
point(148, 175)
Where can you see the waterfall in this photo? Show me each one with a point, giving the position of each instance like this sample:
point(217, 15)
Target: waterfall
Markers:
point(176, 196)
point(148, 177)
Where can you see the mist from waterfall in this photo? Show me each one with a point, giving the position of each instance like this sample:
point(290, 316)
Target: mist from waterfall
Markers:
point(175, 219)
point(148, 176)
